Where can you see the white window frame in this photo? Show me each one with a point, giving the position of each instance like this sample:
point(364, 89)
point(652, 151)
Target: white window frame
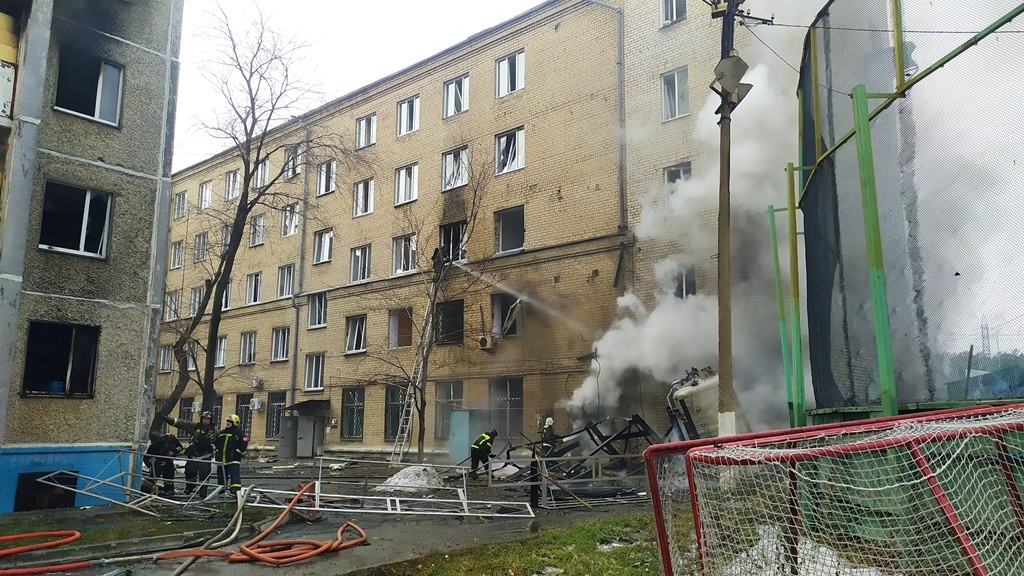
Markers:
point(225, 238)
point(456, 96)
point(253, 286)
point(82, 248)
point(314, 379)
point(289, 220)
point(285, 280)
point(280, 344)
point(503, 82)
point(406, 184)
point(323, 244)
point(454, 168)
point(247, 348)
point(200, 247)
point(670, 94)
point(446, 248)
point(166, 362)
point(359, 270)
point(191, 354)
point(409, 115)
point(172, 305)
point(500, 227)
point(685, 170)
point(316, 310)
point(262, 175)
point(176, 257)
point(205, 198)
point(670, 11)
point(257, 230)
point(510, 151)
point(231, 190)
point(221, 359)
point(225, 303)
point(181, 204)
point(325, 176)
point(362, 198)
point(292, 161)
point(366, 131)
point(197, 294)
point(355, 334)
point(106, 69)
point(404, 255)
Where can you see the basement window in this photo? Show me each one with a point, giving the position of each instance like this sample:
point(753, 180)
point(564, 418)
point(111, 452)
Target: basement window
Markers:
point(686, 283)
point(449, 322)
point(33, 495)
point(75, 220)
point(89, 86)
point(60, 360)
point(509, 229)
point(400, 328)
point(507, 314)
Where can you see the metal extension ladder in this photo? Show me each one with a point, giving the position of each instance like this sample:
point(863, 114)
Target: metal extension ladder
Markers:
point(404, 423)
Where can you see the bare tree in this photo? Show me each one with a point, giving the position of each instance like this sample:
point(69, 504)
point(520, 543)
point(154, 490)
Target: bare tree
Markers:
point(253, 68)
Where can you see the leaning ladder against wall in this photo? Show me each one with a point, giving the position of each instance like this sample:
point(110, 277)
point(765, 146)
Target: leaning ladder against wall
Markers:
point(404, 423)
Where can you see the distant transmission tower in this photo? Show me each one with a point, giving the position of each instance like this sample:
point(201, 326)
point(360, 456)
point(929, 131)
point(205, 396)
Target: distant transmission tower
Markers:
point(986, 341)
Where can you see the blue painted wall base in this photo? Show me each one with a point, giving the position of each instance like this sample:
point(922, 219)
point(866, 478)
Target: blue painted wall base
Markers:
point(96, 460)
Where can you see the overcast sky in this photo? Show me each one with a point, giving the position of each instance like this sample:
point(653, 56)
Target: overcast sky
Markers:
point(352, 44)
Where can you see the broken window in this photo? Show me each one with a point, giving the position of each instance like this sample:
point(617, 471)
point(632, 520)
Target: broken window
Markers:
point(75, 220)
point(279, 344)
point(289, 220)
point(176, 251)
point(247, 354)
point(285, 280)
point(30, 494)
point(400, 328)
point(355, 334)
point(180, 204)
point(366, 131)
point(686, 283)
point(447, 397)
point(221, 357)
point(253, 283)
point(404, 254)
point(406, 185)
point(352, 402)
point(456, 96)
point(205, 195)
point(317, 304)
point(675, 94)
point(325, 178)
point(322, 241)
point(675, 176)
point(314, 372)
point(362, 198)
point(454, 170)
point(511, 73)
point(509, 151)
point(257, 229)
point(394, 402)
point(200, 246)
point(506, 401)
point(509, 229)
point(453, 241)
point(448, 322)
point(60, 359)
point(171, 303)
point(672, 10)
point(508, 315)
point(276, 402)
point(292, 161)
point(231, 185)
point(88, 85)
point(360, 264)
point(408, 115)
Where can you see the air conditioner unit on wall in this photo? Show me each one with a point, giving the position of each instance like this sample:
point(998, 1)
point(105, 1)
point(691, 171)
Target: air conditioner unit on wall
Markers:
point(256, 383)
point(196, 407)
point(486, 342)
point(256, 404)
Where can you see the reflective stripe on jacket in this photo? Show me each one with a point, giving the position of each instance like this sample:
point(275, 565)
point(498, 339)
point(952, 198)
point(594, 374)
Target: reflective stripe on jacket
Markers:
point(230, 445)
point(483, 441)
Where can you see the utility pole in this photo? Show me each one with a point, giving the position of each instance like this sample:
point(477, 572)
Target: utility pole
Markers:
point(728, 73)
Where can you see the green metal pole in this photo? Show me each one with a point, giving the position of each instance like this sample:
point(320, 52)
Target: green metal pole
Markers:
point(897, 42)
point(799, 398)
point(782, 315)
point(873, 238)
point(815, 83)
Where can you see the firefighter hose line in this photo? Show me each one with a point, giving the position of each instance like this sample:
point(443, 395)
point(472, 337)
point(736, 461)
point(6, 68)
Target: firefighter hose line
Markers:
point(215, 542)
point(63, 537)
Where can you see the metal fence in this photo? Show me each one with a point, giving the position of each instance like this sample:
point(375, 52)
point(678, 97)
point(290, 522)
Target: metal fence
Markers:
point(912, 147)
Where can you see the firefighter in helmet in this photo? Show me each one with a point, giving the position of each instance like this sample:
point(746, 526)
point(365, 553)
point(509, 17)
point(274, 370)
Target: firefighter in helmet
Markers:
point(481, 451)
point(231, 444)
point(199, 451)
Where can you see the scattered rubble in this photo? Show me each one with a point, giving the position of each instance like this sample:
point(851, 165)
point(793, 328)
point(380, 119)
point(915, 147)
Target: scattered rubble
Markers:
point(412, 479)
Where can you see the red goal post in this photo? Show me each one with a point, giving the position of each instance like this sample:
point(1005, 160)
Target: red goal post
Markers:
point(937, 491)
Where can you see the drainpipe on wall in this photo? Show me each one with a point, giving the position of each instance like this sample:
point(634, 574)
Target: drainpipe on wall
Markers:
point(302, 267)
point(620, 97)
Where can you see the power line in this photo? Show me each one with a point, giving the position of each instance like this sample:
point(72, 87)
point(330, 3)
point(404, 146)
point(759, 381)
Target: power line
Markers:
point(779, 56)
point(849, 29)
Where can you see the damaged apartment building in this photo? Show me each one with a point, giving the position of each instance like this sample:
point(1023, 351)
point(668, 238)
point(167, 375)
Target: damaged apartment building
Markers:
point(507, 156)
point(87, 91)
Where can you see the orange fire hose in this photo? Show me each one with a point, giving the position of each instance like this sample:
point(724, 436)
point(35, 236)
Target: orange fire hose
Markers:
point(281, 552)
point(64, 536)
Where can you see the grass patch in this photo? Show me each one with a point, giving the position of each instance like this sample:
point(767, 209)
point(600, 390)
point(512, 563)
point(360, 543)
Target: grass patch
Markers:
point(623, 544)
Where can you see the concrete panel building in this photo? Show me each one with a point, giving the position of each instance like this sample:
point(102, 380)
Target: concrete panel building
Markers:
point(83, 220)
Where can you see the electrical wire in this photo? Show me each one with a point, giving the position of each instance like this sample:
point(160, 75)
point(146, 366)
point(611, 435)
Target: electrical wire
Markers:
point(779, 56)
point(889, 30)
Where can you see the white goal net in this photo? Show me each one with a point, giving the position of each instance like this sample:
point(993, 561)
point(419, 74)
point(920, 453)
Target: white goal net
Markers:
point(935, 495)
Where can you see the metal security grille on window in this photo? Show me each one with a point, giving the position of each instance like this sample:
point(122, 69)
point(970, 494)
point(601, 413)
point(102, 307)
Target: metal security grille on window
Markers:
point(285, 280)
point(322, 241)
point(454, 167)
point(394, 402)
point(511, 73)
point(355, 340)
point(675, 94)
point(75, 220)
point(360, 264)
point(362, 198)
point(352, 401)
point(317, 310)
point(366, 131)
point(88, 86)
point(405, 254)
point(279, 346)
point(456, 96)
point(509, 153)
point(406, 184)
point(276, 402)
point(325, 178)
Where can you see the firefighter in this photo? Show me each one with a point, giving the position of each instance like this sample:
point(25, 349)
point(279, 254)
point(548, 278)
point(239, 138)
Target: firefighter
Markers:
point(199, 451)
point(547, 437)
point(231, 444)
point(481, 451)
point(160, 460)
